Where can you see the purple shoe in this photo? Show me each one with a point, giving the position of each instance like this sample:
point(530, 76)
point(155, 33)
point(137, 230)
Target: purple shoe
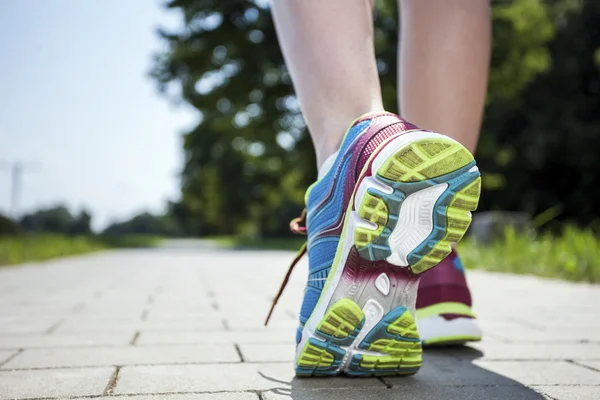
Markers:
point(444, 315)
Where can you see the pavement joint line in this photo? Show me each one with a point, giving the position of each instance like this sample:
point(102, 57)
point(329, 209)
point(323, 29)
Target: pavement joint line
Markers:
point(225, 324)
point(136, 336)
point(112, 382)
point(563, 384)
point(142, 345)
point(543, 394)
point(130, 395)
point(564, 341)
point(2, 363)
point(387, 385)
point(576, 362)
point(260, 393)
point(211, 363)
point(54, 327)
point(239, 351)
point(144, 365)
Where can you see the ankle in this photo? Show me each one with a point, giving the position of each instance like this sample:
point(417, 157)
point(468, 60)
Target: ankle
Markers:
point(328, 138)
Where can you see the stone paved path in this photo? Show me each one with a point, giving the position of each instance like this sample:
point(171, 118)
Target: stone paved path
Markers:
point(185, 322)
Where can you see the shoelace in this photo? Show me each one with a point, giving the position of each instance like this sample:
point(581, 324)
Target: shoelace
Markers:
point(297, 226)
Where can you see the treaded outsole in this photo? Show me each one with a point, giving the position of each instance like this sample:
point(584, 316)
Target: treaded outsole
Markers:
point(392, 346)
point(417, 166)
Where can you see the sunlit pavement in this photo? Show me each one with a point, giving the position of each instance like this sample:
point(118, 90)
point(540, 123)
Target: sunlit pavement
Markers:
point(185, 322)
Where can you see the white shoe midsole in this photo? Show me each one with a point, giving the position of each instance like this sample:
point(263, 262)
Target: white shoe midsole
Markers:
point(437, 327)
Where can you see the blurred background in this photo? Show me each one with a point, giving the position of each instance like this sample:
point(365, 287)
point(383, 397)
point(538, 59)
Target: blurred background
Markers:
point(125, 122)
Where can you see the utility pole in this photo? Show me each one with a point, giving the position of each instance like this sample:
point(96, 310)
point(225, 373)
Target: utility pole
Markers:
point(16, 171)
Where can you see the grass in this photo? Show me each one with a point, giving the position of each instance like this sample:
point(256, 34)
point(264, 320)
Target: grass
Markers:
point(238, 242)
point(25, 248)
point(574, 255)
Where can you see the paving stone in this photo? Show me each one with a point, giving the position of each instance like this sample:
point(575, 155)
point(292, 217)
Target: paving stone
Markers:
point(6, 354)
point(101, 356)
point(195, 396)
point(258, 324)
point(592, 364)
point(450, 371)
point(537, 336)
point(571, 392)
point(231, 377)
point(538, 351)
point(415, 392)
point(54, 383)
point(97, 326)
point(267, 352)
point(65, 340)
point(26, 326)
point(178, 300)
point(542, 372)
point(270, 336)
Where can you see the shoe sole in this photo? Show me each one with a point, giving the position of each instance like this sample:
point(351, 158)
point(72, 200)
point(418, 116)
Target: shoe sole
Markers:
point(412, 200)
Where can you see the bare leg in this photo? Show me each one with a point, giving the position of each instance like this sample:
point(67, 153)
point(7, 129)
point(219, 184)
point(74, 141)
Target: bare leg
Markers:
point(444, 62)
point(328, 47)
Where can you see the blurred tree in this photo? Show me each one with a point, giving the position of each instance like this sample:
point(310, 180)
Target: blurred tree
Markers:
point(145, 224)
point(57, 220)
point(547, 138)
point(8, 226)
point(249, 159)
point(82, 224)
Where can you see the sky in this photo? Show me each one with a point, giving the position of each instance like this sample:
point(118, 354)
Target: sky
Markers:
point(78, 107)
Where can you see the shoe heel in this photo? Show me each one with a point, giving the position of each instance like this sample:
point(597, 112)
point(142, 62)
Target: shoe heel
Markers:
point(322, 354)
point(391, 347)
point(416, 202)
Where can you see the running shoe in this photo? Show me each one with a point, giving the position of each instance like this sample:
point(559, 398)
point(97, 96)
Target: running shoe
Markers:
point(444, 314)
point(386, 208)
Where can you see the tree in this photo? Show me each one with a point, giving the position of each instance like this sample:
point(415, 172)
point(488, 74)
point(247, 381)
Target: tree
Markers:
point(8, 226)
point(57, 220)
point(548, 137)
point(145, 223)
point(249, 159)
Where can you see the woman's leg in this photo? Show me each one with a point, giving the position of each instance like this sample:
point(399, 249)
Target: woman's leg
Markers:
point(328, 48)
point(444, 62)
point(443, 70)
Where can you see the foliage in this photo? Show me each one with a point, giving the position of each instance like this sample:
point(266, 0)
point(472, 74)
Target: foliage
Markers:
point(145, 224)
point(546, 140)
point(248, 243)
point(22, 248)
point(249, 159)
point(57, 220)
point(8, 226)
point(573, 255)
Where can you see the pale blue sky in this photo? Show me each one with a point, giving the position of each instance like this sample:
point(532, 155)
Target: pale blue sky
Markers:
point(76, 100)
